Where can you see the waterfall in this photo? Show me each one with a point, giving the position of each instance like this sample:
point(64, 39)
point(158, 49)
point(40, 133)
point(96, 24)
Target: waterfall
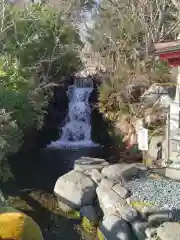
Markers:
point(77, 130)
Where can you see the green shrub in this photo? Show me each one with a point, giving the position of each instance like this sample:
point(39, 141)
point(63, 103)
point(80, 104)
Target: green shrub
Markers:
point(38, 49)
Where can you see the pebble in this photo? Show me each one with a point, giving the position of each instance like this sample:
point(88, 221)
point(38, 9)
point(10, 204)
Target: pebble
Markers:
point(164, 194)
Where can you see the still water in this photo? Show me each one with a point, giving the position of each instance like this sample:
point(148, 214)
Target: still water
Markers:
point(32, 189)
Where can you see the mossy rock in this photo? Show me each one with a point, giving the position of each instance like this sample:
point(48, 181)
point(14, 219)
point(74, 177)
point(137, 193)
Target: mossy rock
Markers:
point(7, 209)
point(17, 225)
point(100, 235)
point(139, 206)
point(88, 225)
point(73, 215)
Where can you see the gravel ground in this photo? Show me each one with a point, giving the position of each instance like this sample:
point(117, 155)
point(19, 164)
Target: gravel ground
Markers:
point(163, 193)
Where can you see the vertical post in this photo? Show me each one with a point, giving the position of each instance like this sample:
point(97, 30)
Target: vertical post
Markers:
point(167, 135)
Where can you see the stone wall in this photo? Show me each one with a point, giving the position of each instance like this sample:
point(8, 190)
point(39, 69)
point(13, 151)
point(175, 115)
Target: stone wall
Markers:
point(108, 210)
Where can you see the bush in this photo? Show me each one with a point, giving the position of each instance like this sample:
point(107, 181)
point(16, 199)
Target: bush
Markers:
point(119, 96)
point(38, 49)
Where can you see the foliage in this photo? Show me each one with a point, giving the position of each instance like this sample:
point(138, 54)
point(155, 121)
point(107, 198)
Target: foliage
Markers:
point(119, 94)
point(76, 10)
point(123, 36)
point(121, 32)
point(38, 49)
point(54, 42)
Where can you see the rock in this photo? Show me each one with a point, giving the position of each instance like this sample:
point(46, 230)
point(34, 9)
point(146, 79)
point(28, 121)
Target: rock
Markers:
point(75, 189)
point(122, 191)
point(144, 210)
point(90, 213)
point(148, 210)
point(109, 200)
point(159, 218)
point(139, 166)
point(128, 213)
point(114, 227)
point(153, 151)
point(173, 173)
point(153, 94)
point(108, 183)
point(85, 163)
point(117, 171)
point(95, 175)
point(139, 229)
point(113, 171)
point(63, 205)
point(151, 232)
point(169, 231)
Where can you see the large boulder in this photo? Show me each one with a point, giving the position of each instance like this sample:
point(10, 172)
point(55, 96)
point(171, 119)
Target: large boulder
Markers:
point(156, 148)
point(95, 175)
point(75, 189)
point(169, 231)
point(114, 227)
point(86, 163)
point(109, 201)
point(139, 228)
point(119, 171)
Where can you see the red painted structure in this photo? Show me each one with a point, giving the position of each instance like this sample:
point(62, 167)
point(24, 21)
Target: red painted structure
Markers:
point(169, 51)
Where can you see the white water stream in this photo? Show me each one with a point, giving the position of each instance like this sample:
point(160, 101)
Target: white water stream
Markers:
point(77, 130)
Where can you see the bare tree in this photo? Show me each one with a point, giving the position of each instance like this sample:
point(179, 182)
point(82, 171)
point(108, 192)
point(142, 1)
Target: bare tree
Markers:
point(123, 31)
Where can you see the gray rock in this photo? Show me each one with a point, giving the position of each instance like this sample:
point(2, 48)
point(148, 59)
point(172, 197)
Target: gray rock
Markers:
point(129, 171)
point(64, 206)
point(122, 191)
point(153, 94)
point(85, 163)
point(128, 213)
point(139, 229)
point(140, 166)
point(151, 232)
point(173, 173)
point(109, 200)
point(114, 227)
point(95, 175)
point(75, 190)
point(148, 210)
point(145, 211)
point(169, 231)
point(108, 183)
point(117, 171)
point(153, 146)
point(90, 213)
point(159, 218)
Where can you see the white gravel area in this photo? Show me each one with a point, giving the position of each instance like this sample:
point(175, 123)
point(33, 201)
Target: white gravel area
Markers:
point(164, 193)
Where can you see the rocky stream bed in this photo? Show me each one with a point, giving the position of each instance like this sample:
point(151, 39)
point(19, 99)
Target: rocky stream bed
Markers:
point(96, 200)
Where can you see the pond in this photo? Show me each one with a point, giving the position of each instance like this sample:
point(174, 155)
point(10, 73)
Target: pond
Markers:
point(31, 190)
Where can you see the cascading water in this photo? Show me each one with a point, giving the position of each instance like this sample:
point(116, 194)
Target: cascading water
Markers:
point(77, 130)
